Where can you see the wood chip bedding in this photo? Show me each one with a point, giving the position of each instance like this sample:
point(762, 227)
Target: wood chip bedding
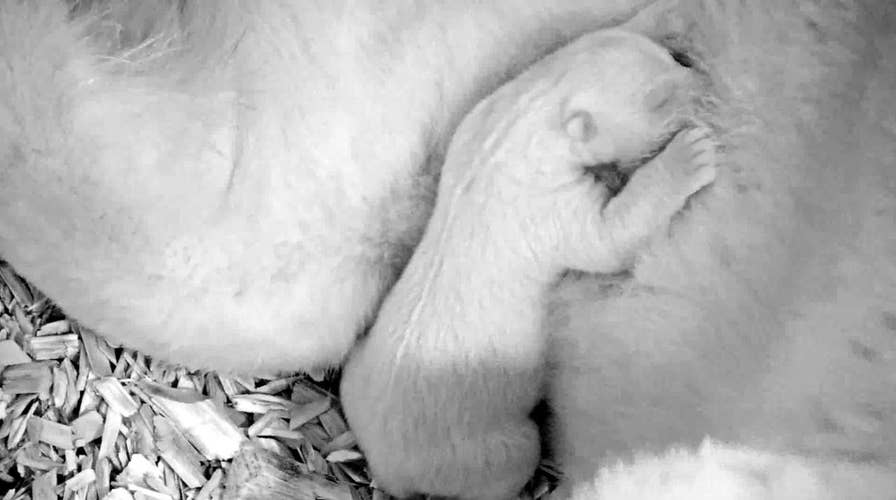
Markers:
point(83, 420)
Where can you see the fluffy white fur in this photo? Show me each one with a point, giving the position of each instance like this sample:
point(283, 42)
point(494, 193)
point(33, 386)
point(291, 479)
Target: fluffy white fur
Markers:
point(717, 471)
point(457, 345)
point(767, 318)
point(235, 184)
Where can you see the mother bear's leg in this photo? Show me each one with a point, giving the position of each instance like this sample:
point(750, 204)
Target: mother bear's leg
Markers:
point(709, 335)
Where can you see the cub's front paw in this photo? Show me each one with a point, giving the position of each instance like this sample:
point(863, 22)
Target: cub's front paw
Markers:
point(659, 189)
point(656, 192)
point(688, 163)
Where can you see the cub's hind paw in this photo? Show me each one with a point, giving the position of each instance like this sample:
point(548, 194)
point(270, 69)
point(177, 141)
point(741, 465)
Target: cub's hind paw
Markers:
point(500, 463)
point(491, 466)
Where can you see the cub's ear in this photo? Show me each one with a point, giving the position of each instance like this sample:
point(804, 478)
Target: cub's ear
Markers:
point(579, 126)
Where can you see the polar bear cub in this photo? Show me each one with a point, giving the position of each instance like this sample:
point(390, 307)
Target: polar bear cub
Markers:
point(440, 391)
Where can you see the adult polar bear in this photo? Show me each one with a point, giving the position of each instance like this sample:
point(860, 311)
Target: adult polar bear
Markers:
point(235, 184)
point(253, 173)
point(768, 317)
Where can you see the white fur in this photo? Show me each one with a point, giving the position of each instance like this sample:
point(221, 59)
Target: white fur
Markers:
point(717, 471)
point(767, 318)
point(235, 184)
point(457, 345)
point(240, 190)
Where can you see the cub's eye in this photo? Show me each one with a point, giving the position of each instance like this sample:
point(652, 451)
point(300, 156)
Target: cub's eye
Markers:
point(682, 58)
point(678, 46)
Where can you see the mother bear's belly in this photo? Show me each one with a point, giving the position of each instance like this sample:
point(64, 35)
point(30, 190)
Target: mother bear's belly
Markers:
point(240, 193)
point(767, 317)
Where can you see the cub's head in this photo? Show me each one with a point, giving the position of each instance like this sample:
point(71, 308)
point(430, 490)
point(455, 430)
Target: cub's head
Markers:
point(624, 96)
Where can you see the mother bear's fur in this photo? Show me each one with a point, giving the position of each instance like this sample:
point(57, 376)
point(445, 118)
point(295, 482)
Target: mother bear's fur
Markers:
point(251, 175)
point(768, 317)
point(235, 184)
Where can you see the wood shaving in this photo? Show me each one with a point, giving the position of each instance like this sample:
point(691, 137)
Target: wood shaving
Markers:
point(83, 420)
